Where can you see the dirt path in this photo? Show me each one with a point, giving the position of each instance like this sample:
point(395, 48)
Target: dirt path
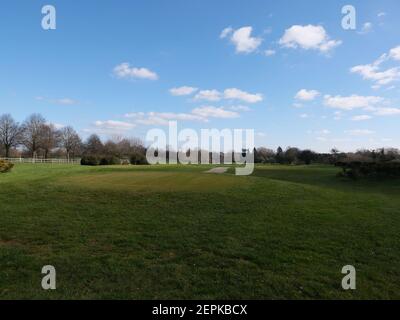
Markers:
point(218, 170)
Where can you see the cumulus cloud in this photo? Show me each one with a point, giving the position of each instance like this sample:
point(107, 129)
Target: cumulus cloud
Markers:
point(209, 95)
point(381, 78)
point(229, 94)
point(395, 53)
point(242, 39)
point(110, 127)
point(114, 125)
point(387, 111)
point(201, 114)
point(240, 108)
point(161, 118)
point(214, 112)
point(237, 94)
point(374, 73)
point(308, 37)
point(57, 126)
point(307, 95)
point(125, 71)
point(183, 91)
point(352, 102)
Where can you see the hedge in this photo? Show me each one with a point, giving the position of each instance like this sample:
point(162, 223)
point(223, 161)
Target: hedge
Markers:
point(356, 169)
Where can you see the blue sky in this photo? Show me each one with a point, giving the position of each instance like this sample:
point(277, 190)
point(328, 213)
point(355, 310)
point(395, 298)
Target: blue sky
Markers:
point(284, 68)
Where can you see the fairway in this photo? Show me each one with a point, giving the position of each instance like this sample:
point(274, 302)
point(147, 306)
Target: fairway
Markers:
point(177, 232)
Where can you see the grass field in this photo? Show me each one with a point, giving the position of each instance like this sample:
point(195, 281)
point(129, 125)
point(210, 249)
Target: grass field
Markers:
point(178, 233)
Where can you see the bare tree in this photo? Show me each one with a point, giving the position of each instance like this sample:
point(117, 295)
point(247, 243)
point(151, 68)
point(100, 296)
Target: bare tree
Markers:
point(32, 130)
point(70, 141)
point(10, 133)
point(49, 138)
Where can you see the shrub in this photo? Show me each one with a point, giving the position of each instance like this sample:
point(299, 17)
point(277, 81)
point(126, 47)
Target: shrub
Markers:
point(138, 159)
point(109, 160)
point(99, 161)
point(357, 169)
point(90, 161)
point(5, 166)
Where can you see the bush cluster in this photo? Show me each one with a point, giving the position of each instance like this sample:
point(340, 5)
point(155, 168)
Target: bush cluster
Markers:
point(138, 159)
point(99, 161)
point(5, 166)
point(357, 169)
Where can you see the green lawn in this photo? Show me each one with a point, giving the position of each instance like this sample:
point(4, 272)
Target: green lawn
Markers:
point(161, 232)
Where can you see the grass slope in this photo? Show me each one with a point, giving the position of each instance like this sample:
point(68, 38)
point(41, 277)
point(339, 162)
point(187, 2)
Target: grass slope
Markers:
point(175, 232)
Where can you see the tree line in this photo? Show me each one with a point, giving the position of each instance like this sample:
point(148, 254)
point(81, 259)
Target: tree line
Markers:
point(294, 156)
point(37, 138)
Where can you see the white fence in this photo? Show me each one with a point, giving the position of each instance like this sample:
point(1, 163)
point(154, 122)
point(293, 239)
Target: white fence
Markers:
point(37, 160)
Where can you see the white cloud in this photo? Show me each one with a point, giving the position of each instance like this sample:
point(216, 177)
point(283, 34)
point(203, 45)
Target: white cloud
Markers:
point(373, 71)
point(243, 40)
point(240, 108)
point(352, 102)
point(306, 95)
point(113, 125)
point(209, 95)
point(395, 53)
point(269, 52)
point(229, 94)
point(202, 114)
point(237, 94)
point(308, 37)
point(57, 126)
point(381, 14)
point(226, 32)
point(214, 112)
point(304, 116)
point(124, 70)
point(182, 91)
point(161, 118)
point(387, 111)
point(361, 117)
point(359, 132)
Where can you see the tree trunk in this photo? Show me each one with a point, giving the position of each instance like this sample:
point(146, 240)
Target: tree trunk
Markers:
point(7, 151)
